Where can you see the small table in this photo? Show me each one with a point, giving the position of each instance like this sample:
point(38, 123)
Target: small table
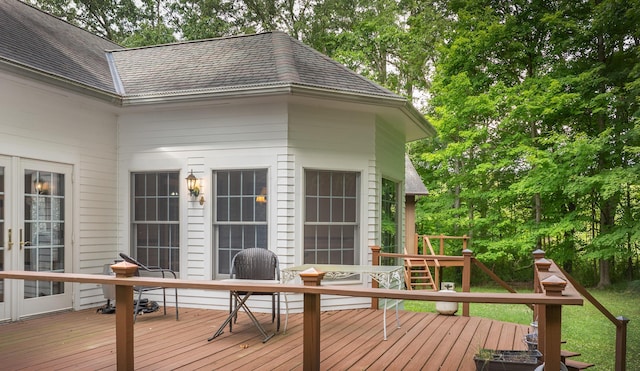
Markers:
point(387, 276)
point(241, 303)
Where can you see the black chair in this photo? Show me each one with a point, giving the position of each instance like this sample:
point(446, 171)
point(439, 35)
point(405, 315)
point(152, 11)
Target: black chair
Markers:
point(144, 270)
point(257, 264)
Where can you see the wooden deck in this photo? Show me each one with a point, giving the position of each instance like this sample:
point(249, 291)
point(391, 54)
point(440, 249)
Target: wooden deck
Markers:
point(350, 339)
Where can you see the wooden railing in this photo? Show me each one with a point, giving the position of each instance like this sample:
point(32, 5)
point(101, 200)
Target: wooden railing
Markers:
point(428, 250)
point(620, 322)
point(545, 271)
point(553, 299)
point(439, 261)
point(426, 239)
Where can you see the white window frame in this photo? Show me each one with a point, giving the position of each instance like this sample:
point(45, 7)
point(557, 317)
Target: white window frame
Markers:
point(330, 221)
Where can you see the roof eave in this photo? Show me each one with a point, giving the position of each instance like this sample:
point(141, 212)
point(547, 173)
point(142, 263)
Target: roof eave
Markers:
point(58, 81)
point(421, 126)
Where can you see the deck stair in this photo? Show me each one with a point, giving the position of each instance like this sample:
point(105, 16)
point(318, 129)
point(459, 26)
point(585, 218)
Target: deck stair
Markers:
point(573, 365)
point(417, 273)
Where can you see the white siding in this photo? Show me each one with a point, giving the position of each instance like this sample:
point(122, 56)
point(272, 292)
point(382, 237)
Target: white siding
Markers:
point(242, 135)
point(330, 139)
point(105, 144)
point(286, 210)
point(44, 123)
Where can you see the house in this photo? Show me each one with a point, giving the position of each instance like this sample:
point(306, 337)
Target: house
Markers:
point(289, 150)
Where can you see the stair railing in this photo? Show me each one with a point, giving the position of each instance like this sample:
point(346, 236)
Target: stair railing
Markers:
point(620, 322)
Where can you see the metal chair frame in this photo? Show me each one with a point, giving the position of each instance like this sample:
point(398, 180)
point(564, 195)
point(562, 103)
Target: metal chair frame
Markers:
point(166, 273)
point(256, 264)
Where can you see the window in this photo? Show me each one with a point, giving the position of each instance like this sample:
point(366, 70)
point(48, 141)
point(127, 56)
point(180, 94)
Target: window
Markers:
point(156, 226)
point(240, 210)
point(389, 217)
point(331, 223)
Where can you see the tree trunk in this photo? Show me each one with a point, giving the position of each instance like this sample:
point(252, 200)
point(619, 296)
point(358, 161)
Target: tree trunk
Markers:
point(607, 207)
point(605, 278)
point(607, 222)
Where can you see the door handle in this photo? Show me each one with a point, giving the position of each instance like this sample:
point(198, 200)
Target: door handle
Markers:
point(10, 241)
point(23, 243)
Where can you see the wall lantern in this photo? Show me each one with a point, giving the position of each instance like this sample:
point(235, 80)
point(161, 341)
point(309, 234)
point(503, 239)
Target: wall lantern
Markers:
point(193, 187)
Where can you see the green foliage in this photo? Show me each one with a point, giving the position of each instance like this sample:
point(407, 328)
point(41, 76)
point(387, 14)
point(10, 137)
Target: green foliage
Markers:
point(537, 114)
point(111, 19)
point(149, 35)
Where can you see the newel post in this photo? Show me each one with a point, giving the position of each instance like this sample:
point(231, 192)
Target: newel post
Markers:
point(311, 324)
point(124, 316)
point(553, 286)
point(540, 265)
point(375, 260)
point(466, 278)
point(621, 343)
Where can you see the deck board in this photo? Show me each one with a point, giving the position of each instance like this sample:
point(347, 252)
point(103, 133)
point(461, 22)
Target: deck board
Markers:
point(350, 339)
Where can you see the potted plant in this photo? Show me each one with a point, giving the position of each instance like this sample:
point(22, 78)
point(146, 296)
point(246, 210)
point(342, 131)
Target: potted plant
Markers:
point(516, 360)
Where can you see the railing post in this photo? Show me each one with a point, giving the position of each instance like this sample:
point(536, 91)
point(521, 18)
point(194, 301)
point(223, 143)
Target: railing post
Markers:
point(553, 286)
point(466, 278)
point(621, 343)
point(311, 324)
point(538, 255)
point(375, 260)
point(541, 265)
point(124, 316)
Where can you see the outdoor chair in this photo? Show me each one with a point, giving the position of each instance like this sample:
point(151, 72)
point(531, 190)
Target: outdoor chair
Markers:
point(147, 271)
point(256, 264)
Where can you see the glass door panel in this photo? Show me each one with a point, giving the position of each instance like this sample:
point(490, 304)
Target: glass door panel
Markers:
point(44, 234)
point(43, 230)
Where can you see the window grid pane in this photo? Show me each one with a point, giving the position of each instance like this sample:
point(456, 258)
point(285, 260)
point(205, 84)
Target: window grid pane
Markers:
point(155, 209)
point(330, 217)
point(240, 209)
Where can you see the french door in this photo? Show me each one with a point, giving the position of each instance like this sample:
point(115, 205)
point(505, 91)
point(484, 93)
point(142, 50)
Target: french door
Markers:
point(35, 234)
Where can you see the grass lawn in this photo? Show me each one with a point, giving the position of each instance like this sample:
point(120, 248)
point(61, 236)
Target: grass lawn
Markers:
point(584, 328)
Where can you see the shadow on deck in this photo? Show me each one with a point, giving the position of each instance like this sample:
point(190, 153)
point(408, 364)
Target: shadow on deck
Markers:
point(350, 339)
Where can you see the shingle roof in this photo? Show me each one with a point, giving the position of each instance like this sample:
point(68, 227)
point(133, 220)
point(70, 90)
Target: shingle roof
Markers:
point(413, 184)
point(266, 59)
point(36, 40)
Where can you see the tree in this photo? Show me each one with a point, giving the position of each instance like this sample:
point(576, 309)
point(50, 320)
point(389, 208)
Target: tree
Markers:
point(203, 19)
point(112, 19)
point(532, 102)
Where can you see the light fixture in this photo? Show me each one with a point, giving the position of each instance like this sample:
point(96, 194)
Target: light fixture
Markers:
point(41, 186)
point(192, 186)
point(262, 197)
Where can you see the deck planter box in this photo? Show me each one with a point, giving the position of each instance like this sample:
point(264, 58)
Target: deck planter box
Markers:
point(512, 360)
